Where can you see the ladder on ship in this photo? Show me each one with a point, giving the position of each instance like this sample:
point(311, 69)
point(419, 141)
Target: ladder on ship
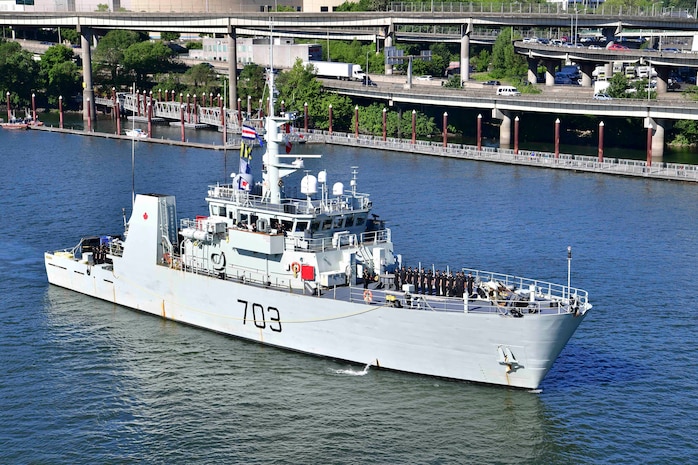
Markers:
point(168, 226)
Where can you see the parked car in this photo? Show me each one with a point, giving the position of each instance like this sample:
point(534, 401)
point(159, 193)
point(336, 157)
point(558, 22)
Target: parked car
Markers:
point(426, 77)
point(617, 47)
point(602, 97)
point(671, 50)
point(491, 83)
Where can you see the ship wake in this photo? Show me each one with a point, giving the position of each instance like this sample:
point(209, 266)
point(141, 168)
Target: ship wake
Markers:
point(351, 372)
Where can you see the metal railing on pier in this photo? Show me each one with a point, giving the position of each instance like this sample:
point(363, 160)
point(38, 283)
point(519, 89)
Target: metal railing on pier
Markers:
point(190, 112)
point(584, 163)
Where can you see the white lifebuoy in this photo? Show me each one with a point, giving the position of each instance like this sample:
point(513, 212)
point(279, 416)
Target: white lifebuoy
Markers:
point(368, 296)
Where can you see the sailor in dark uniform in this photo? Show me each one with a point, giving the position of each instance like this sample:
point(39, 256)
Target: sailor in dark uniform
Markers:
point(449, 285)
point(437, 282)
point(469, 280)
point(429, 281)
point(403, 275)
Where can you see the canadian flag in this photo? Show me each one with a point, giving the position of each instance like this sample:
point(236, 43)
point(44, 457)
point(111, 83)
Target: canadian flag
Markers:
point(289, 146)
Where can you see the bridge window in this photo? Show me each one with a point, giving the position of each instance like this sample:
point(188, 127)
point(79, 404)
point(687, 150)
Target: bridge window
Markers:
point(327, 224)
point(360, 220)
point(314, 226)
point(337, 223)
point(301, 226)
point(349, 221)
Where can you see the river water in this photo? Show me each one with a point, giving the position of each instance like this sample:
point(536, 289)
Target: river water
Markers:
point(86, 382)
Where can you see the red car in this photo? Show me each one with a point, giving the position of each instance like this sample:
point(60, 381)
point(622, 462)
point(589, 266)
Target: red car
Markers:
point(617, 47)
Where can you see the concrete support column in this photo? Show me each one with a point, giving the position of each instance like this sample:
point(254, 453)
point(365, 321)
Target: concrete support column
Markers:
point(658, 139)
point(505, 130)
point(549, 72)
point(389, 32)
point(608, 70)
point(587, 69)
point(609, 33)
point(662, 79)
point(466, 29)
point(232, 67)
point(532, 70)
point(88, 97)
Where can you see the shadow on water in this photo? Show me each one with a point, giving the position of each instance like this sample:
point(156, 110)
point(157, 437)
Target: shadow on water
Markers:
point(580, 367)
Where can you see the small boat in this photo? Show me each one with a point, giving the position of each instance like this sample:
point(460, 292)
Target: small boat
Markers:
point(136, 133)
point(16, 123)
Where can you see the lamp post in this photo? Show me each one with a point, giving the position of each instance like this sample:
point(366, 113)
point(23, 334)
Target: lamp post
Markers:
point(330, 121)
point(600, 152)
point(414, 126)
point(385, 110)
point(367, 52)
point(557, 138)
point(305, 117)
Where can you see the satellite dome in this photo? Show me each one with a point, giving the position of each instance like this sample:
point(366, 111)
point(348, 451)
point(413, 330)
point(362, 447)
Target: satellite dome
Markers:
point(338, 188)
point(309, 185)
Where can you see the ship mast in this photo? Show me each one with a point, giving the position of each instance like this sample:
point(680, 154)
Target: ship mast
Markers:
point(272, 135)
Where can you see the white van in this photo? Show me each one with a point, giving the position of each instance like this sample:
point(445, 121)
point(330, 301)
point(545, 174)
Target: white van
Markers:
point(508, 90)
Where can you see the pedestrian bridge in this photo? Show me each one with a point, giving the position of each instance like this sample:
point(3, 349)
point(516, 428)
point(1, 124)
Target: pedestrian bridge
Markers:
point(188, 112)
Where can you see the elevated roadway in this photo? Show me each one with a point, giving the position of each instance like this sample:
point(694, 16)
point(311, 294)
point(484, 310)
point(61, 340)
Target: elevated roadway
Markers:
point(574, 101)
point(379, 25)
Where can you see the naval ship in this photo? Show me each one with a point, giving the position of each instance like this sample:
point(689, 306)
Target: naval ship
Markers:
point(319, 274)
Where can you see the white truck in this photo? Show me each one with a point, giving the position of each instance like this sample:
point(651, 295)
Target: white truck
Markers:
point(338, 70)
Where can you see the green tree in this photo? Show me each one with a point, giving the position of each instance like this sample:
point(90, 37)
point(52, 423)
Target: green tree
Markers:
point(109, 56)
point(71, 35)
point(102, 7)
point(617, 86)
point(505, 61)
point(19, 73)
point(170, 82)
point(144, 58)
point(63, 79)
point(201, 78)
point(169, 36)
point(251, 82)
point(60, 73)
point(686, 132)
point(481, 61)
point(441, 57)
point(298, 86)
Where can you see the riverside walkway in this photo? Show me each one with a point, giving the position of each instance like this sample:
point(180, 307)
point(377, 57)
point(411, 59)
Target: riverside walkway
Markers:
point(579, 163)
point(657, 170)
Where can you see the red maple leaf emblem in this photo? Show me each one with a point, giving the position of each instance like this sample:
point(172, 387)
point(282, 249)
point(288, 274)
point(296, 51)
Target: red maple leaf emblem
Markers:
point(145, 215)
